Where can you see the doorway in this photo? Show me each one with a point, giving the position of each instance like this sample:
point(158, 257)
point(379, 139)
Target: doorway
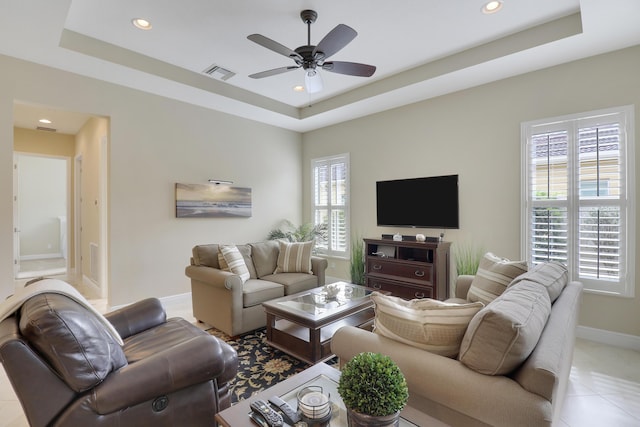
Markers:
point(41, 209)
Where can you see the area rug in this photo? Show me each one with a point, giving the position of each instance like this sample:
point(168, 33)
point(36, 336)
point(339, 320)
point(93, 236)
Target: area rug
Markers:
point(260, 366)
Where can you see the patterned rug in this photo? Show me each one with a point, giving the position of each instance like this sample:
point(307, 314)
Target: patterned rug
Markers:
point(260, 366)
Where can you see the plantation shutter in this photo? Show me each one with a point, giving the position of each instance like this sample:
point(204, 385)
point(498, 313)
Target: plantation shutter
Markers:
point(330, 202)
point(577, 203)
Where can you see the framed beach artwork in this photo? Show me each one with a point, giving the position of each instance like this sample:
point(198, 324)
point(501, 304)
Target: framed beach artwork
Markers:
point(212, 201)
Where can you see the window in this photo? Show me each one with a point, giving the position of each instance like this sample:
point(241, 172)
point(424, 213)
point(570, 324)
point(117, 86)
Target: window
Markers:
point(330, 205)
point(578, 188)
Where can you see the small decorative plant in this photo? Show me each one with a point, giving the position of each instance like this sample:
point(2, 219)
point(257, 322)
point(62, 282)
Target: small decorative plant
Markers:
point(373, 384)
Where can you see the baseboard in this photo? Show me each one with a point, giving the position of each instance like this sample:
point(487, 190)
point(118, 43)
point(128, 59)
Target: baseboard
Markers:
point(177, 299)
point(40, 256)
point(615, 339)
point(173, 299)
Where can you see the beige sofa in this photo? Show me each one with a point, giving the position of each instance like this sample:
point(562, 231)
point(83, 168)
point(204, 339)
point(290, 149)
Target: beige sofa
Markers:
point(222, 300)
point(447, 389)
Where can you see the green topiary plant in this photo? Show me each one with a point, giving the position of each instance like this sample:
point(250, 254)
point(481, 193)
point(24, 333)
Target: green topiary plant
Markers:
point(372, 384)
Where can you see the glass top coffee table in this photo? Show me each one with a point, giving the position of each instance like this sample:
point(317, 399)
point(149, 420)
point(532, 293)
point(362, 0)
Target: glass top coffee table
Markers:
point(318, 375)
point(302, 324)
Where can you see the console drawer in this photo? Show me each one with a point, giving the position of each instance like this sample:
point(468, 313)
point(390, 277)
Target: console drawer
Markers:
point(422, 272)
point(400, 289)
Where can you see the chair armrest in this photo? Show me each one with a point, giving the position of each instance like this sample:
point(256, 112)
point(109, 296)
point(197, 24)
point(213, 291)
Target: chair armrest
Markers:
point(318, 267)
point(137, 317)
point(463, 283)
point(193, 362)
point(213, 276)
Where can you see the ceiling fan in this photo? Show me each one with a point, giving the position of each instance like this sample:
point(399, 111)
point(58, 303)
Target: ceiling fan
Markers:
point(311, 58)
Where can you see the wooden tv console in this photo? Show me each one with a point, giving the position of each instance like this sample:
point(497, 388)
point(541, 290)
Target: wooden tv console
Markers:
point(408, 269)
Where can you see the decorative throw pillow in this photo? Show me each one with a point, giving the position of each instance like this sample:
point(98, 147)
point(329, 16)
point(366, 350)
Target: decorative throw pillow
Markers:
point(235, 261)
point(294, 257)
point(493, 276)
point(552, 275)
point(221, 261)
point(429, 324)
point(504, 333)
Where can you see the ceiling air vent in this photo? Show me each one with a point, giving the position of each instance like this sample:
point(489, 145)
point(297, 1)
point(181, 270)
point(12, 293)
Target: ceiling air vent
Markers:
point(218, 72)
point(46, 129)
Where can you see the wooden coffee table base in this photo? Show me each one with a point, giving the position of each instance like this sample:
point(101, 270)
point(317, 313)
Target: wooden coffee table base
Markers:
point(307, 342)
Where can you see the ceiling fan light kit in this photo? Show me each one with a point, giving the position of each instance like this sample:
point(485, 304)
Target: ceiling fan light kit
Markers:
point(313, 58)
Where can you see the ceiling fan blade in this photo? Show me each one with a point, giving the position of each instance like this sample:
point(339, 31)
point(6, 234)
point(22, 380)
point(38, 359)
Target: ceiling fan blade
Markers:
point(335, 40)
point(273, 45)
point(273, 72)
point(349, 68)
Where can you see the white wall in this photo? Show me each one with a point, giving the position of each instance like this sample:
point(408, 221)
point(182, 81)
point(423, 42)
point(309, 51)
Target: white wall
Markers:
point(476, 133)
point(154, 143)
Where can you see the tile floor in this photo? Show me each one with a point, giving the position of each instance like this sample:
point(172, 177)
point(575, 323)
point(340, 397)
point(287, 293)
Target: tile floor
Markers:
point(604, 386)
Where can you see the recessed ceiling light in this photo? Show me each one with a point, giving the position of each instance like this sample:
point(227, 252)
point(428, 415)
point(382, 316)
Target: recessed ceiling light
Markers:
point(298, 88)
point(492, 7)
point(45, 121)
point(141, 23)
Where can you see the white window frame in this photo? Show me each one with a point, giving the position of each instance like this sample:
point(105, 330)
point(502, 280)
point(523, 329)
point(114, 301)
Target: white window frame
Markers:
point(329, 160)
point(625, 286)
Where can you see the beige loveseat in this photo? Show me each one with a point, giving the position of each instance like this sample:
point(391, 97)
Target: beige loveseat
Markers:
point(221, 299)
point(447, 389)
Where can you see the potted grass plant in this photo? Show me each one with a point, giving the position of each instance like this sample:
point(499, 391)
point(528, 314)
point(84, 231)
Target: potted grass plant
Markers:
point(357, 261)
point(373, 389)
point(468, 258)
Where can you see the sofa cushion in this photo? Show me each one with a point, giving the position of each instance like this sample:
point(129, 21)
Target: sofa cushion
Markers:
point(294, 257)
point(493, 276)
point(503, 334)
point(206, 255)
point(257, 291)
point(552, 275)
point(294, 282)
point(429, 324)
point(173, 332)
point(72, 340)
point(265, 257)
point(235, 261)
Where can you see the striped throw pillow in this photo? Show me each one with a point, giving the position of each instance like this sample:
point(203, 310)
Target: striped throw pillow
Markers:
point(429, 324)
point(493, 276)
point(235, 261)
point(294, 257)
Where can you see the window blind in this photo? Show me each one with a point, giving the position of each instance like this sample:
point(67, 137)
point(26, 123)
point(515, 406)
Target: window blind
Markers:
point(576, 201)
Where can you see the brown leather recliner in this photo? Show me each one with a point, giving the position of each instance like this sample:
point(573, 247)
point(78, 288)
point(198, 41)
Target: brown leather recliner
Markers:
point(68, 370)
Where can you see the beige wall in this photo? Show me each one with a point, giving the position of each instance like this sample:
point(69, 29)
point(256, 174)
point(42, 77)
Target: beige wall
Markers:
point(88, 141)
point(476, 133)
point(155, 142)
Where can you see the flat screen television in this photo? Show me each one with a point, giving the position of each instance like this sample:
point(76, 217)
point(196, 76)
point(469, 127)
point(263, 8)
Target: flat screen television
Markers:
point(430, 202)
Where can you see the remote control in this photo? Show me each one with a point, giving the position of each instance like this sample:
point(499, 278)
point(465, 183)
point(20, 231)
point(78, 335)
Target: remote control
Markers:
point(290, 416)
point(272, 418)
point(258, 419)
